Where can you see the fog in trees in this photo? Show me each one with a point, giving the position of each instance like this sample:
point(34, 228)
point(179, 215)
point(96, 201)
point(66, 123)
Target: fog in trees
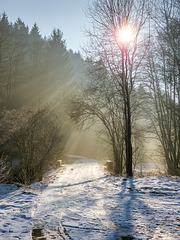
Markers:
point(36, 75)
point(133, 87)
point(118, 99)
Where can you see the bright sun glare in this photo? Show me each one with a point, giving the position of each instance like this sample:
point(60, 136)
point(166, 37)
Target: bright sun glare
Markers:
point(125, 34)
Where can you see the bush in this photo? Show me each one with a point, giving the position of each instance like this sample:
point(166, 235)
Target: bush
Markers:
point(5, 170)
point(32, 142)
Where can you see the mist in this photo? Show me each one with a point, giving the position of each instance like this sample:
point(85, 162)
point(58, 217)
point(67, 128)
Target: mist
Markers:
point(90, 139)
point(37, 72)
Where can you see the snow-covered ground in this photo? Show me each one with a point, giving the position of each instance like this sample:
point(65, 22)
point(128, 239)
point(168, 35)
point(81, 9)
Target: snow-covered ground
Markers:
point(82, 202)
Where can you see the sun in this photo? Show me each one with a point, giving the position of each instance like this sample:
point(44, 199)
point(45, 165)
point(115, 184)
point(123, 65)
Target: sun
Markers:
point(125, 35)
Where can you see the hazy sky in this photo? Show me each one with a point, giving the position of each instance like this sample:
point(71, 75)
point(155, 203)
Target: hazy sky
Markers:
point(67, 15)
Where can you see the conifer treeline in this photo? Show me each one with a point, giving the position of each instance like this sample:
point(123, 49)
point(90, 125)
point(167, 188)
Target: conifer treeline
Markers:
point(33, 70)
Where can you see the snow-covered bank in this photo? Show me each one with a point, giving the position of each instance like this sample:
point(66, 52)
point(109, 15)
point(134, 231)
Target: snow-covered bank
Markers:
point(15, 212)
point(82, 202)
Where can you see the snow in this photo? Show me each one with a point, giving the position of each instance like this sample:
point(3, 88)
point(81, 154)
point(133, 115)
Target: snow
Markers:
point(81, 201)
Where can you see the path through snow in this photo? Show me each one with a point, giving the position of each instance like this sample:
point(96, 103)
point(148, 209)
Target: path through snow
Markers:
point(82, 202)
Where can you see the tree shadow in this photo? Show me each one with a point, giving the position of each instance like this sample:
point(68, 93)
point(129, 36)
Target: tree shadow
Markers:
point(71, 207)
point(99, 209)
point(128, 213)
point(78, 183)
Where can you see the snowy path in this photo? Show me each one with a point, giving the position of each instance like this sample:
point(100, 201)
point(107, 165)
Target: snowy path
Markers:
point(83, 203)
point(92, 205)
point(76, 201)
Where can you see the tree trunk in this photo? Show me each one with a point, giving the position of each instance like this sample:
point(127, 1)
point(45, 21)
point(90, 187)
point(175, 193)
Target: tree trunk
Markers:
point(127, 118)
point(128, 143)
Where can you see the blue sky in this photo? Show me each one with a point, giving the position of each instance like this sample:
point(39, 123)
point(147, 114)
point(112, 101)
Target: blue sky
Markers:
point(67, 15)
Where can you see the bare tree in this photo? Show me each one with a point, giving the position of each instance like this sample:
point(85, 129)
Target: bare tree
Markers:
point(114, 41)
point(99, 104)
point(164, 75)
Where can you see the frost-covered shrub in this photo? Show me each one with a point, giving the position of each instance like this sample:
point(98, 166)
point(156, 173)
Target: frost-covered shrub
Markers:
point(5, 170)
point(32, 142)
